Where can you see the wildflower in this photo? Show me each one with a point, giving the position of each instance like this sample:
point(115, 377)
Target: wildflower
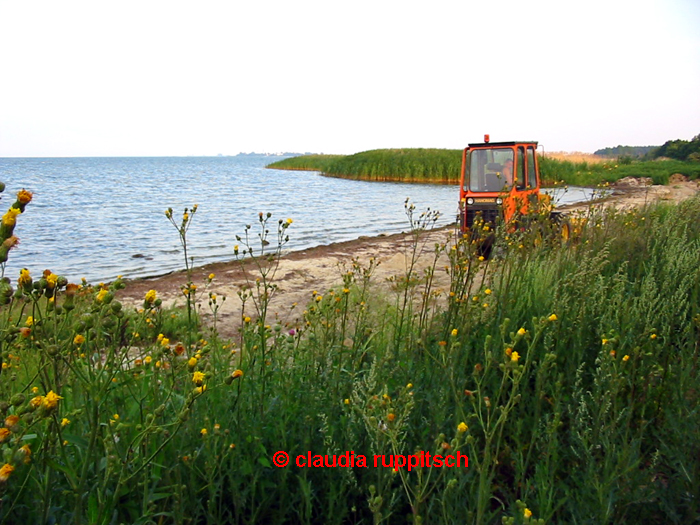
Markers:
point(481, 258)
point(200, 389)
point(553, 317)
point(443, 343)
point(52, 280)
point(101, 295)
point(4, 434)
point(24, 278)
point(514, 357)
point(51, 400)
point(30, 320)
point(78, 339)
point(522, 331)
point(237, 373)
point(24, 196)
point(652, 336)
point(527, 513)
point(203, 432)
point(211, 276)
point(462, 427)
point(198, 378)
point(409, 386)
point(5, 472)
point(454, 332)
point(10, 218)
point(605, 341)
point(347, 401)
point(626, 358)
point(289, 221)
point(165, 341)
point(148, 360)
point(390, 417)
point(192, 362)
point(151, 296)
point(487, 291)
point(11, 421)
point(246, 319)
point(509, 351)
point(25, 331)
point(36, 402)
point(25, 451)
point(65, 422)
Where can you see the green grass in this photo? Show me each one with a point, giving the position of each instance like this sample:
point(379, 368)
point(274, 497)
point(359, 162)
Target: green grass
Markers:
point(568, 376)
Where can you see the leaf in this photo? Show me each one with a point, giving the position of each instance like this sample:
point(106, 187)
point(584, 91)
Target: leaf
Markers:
point(264, 462)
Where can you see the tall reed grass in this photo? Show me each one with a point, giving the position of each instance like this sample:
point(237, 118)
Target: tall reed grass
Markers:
point(567, 373)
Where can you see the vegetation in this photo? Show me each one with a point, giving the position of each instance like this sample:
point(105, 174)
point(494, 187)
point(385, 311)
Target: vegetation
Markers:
point(624, 151)
point(679, 150)
point(569, 411)
point(305, 162)
point(592, 174)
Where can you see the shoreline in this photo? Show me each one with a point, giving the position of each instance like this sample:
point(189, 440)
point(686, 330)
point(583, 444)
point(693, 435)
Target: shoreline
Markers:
point(320, 268)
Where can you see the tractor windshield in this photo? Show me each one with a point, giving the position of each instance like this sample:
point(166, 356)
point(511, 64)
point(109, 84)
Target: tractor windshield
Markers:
point(489, 170)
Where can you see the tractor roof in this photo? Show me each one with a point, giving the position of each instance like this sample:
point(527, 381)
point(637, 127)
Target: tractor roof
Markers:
point(497, 144)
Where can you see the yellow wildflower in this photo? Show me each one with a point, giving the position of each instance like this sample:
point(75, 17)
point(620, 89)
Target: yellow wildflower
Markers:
point(165, 341)
point(5, 472)
point(237, 373)
point(347, 401)
point(527, 513)
point(552, 317)
point(514, 357)
point(24, 277)
point(4, 434)
point(462, 427)
point(10, 218)
point(522, 331)
point(151, 296)
point(198, 378)
point(101, 295)
point(65, 422)
point(52, 280)
point(211, 276)
point(36, 402)
point(626, 358)
point(78, 339)
point(487, 291)
point(192, 362)
point(11, 421)
point(26, 452)
point(30, 320)
point(289, 221)
point(51, 400)
point(454, 332)
point(652, 336)
point(203, 432)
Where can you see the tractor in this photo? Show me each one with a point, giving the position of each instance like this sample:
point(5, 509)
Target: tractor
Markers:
point(500, 183)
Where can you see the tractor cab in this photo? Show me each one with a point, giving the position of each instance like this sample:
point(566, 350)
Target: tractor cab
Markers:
point(500, 180)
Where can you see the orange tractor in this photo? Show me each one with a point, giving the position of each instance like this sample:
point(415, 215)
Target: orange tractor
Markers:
point(500, 183)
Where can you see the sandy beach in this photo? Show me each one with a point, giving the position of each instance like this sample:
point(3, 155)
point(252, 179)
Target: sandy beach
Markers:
point(319, 269)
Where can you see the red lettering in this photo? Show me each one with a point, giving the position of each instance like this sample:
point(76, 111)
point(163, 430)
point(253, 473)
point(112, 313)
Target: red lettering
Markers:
point(447, 461)
point(318, 461)
point(302, 457)
point(403, 462)
point(391, 461)
point(362, 461)
point(416, 458)
point(460, 456)
point(327, 462)
point(376, 457)
point(437, 460)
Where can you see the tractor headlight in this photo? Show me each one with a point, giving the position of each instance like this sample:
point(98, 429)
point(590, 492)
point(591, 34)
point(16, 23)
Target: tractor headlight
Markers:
point(499, 200)
point(470, 201)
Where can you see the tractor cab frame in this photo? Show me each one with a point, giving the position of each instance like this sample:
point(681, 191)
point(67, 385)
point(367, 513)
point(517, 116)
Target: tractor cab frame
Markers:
point(500, 181)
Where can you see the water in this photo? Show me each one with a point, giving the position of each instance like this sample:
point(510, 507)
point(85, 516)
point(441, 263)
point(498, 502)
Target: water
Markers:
point(102, 217)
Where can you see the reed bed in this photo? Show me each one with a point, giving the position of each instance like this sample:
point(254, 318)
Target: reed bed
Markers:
point(566, 372)
point(444, 167)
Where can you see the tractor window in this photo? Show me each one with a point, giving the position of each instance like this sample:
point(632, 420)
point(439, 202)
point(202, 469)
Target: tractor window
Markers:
point(490, 169)
point(520, 182)
point(531, 172)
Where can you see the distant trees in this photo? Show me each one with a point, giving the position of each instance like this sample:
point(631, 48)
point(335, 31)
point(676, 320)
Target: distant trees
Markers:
point(687, 150)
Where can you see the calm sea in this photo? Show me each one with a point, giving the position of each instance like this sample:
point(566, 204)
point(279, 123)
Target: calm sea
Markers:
point(102, 217)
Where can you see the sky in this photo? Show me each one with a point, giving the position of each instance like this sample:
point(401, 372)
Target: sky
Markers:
point(172, 78)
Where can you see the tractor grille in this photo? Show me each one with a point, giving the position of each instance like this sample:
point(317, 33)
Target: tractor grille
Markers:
point(489, 216)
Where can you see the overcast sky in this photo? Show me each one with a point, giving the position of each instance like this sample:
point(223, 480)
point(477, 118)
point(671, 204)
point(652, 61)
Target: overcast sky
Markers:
point(98, 78)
